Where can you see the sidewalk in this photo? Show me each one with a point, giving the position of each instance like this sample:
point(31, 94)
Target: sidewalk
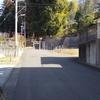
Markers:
point(5, 72)
point(7, 69)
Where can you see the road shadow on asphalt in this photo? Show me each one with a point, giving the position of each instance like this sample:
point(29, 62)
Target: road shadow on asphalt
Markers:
point(60, 77)
point(70, 62)
point(61, 62)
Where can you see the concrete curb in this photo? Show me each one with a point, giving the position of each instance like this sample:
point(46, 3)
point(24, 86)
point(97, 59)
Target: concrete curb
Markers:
point(5, 72)
point(6, 79)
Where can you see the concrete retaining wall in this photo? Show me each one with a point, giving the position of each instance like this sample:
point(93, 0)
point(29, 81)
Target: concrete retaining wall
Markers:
point(89, 52)
point(71, 42)
point(68, 42)
point(50, 43)
point(89, 38)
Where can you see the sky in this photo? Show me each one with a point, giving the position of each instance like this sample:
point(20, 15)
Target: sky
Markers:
point(1, 2)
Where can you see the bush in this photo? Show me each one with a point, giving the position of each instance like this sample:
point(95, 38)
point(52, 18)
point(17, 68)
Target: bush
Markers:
point(2, 38)
point(21, 41)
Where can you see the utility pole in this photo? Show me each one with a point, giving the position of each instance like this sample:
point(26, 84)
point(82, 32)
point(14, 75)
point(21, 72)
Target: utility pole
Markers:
point(16, 20)
point(16, 23)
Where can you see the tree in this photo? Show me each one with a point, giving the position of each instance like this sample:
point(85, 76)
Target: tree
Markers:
point(47, 17)
point(85, 15)
point(51, 17)
point(74, 8)
point(88, 7)
point(7, 18)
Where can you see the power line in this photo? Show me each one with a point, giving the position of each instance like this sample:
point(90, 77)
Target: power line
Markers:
point(32, 4)
point(3, 20)
point(39, 5)
point(6, 15)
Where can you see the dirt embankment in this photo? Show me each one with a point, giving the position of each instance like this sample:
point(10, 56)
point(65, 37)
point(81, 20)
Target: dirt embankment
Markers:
point(67, 51)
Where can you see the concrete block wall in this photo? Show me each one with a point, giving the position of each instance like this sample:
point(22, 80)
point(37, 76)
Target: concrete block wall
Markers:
point(69, 42)
point(89, 38)
point(89, 52)
point(50, 43)
point(98, 52)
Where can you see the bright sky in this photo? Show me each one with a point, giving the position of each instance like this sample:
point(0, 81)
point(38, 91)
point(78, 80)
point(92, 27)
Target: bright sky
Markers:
point(1, 2)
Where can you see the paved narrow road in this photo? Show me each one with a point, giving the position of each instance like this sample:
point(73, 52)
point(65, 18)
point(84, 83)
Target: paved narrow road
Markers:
point(48, 76)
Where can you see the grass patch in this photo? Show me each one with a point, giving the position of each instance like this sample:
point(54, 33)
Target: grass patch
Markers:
point(66, 51)
point(9, 60)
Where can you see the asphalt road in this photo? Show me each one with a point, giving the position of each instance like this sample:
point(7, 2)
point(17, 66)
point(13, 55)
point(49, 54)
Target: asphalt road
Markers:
point(47, 76)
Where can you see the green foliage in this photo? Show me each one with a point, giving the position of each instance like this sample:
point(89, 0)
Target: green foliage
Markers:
point(74, 7)
point(73, 29)
point(52, 19)
point(87, 21)
point(65, 15)
point(78, 15)
point(96, 14)
point(88, 7)
point(85, 16)
point(21, 41)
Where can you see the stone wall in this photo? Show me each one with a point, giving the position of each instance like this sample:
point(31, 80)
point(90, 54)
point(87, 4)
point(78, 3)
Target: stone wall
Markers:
point(71, 42)
point(50, 43)
point(89, 38)
point(68, 42)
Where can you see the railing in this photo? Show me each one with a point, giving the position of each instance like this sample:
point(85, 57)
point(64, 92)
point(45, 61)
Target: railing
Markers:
point(8, 48)
point(7, 51)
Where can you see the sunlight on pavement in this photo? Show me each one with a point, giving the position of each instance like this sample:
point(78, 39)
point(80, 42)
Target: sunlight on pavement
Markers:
point(52, 66)
point(1, 73)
